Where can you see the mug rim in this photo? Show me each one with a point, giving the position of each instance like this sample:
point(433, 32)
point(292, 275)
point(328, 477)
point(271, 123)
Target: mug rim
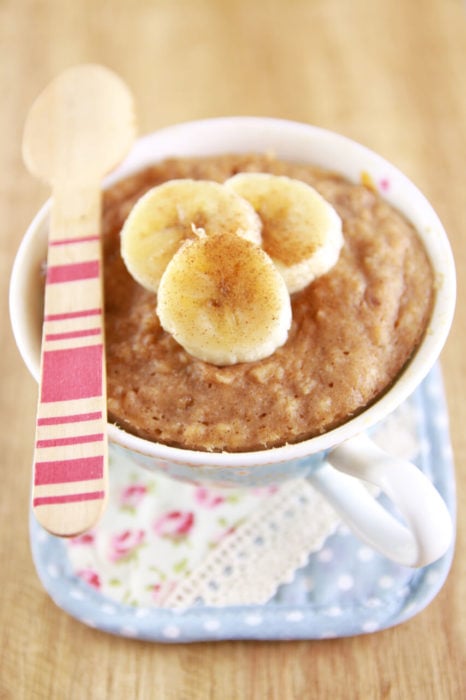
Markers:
point(287, 137)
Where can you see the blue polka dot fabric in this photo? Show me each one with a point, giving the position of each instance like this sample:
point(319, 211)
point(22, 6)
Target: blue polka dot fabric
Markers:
point(344, 589)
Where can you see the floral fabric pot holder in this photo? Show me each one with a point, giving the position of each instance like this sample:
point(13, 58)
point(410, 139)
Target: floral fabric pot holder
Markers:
point(175, 562)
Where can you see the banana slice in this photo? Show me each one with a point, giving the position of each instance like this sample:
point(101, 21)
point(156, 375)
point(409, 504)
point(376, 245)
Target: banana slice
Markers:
point(222, 298)
point(301, 231)
point(170, 213)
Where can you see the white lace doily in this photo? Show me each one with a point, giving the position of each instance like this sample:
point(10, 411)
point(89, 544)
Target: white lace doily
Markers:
point(169, 544)
point(264, 551)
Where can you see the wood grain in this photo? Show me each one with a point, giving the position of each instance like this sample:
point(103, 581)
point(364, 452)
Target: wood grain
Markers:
point(389, 74)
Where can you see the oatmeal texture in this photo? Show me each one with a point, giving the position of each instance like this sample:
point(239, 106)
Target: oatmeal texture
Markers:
point(353, 329)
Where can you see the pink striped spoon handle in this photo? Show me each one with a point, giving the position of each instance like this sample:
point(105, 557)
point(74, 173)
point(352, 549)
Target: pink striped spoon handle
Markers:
point(70, 459)
point(78, 129)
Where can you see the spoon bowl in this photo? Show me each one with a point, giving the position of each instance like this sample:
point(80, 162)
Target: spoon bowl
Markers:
point(80, 126)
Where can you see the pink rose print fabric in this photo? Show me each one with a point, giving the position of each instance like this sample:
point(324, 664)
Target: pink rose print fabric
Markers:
point(155, 532)
point(208, 498)
point(87, 538)
point(132, 495)
point(90, 577)
point(174, 524)
point(125, 544)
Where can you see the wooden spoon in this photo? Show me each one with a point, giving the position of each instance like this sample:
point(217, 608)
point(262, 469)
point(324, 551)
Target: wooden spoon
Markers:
point(78, 129)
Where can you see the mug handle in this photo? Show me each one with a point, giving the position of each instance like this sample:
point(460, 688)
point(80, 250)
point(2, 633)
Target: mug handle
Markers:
point(429, 529)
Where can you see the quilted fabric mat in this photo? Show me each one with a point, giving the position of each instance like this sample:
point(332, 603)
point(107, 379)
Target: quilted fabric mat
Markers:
point(115, 577)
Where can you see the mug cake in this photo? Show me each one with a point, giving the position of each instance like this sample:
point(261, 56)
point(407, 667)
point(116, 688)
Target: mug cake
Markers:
point(352, 331)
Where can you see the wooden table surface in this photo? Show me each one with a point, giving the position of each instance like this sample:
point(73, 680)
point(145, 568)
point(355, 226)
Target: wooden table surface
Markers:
point(388, 74)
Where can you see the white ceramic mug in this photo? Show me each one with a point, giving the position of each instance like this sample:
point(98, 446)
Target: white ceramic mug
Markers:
point(332, 460)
